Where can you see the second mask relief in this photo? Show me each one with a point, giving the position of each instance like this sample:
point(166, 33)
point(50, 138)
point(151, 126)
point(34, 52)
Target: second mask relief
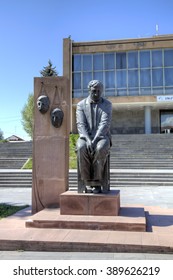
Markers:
point(57, 113)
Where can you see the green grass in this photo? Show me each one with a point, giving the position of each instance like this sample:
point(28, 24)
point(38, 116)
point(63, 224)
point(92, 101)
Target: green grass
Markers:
point(3, 141)
point(72, 154)
point(28, 164)
point(7, 210)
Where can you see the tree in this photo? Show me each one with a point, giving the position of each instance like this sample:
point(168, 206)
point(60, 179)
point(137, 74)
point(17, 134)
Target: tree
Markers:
point(28, 109)
point(1, 135)
point(49, 70)
point(28, 115)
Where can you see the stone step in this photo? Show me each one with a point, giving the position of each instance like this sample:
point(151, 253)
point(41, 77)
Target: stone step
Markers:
point(132, 184)
point(140, 161)
point(129, 179)
point(18, 185)
point(17, 181)
point(129, 219)
point(12, 163)
point(13, 176)
point(141, 166)
point(117, 179)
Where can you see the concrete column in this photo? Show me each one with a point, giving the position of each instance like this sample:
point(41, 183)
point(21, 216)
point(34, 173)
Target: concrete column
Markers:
point(147, 119)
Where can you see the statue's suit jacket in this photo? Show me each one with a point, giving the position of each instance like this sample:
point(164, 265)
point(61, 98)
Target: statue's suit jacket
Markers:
point(103, 119)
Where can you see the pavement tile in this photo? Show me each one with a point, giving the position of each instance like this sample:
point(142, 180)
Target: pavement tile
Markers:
point(149, 239)
point(13, 229)
point(117, 237)
point(165, 239)
point(79, 236)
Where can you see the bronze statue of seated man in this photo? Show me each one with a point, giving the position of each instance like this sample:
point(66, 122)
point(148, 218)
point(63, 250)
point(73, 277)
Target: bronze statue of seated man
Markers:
point(93, 118)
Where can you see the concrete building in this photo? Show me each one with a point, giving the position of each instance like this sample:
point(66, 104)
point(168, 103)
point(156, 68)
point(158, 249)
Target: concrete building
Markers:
point(138, 79)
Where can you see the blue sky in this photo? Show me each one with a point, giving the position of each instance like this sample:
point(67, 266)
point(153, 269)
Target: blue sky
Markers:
point(32, 32)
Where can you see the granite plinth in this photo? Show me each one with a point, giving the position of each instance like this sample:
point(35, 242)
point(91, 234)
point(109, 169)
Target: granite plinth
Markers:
point(73, 203)
point(129, 219)
point(15, 236)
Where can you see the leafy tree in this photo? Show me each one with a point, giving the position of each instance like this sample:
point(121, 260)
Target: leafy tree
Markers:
point(28, 115)
point(49, 70)
point(1, 135)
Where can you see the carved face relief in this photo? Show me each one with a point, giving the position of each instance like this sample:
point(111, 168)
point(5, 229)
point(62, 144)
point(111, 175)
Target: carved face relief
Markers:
point(43, 104)
point(57, 116)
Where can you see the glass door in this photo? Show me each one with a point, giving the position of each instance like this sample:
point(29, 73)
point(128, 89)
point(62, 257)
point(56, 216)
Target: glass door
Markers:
point(166, 121)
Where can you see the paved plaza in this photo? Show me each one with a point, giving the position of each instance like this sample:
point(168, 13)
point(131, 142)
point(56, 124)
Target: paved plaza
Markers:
point(148, 196)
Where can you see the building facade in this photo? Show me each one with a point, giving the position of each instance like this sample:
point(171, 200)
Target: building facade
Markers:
point(137, 75)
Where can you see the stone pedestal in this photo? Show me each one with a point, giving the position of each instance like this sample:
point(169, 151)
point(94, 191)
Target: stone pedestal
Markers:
point(73, 203)
point(50, 144)
point(129, 219)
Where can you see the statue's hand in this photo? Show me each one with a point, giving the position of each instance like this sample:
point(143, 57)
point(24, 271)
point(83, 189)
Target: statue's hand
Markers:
point(94, 143)
point(90, 146)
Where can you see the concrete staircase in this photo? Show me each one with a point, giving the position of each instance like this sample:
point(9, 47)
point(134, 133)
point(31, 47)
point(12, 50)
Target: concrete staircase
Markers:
point(13, 155)
point(154, 151)
point(136, 160)
point(139, 160)
point(132, 178)
point(16, 178)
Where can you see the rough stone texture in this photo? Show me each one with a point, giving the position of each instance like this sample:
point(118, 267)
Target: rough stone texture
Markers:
point(73, 203)
point(50, 145)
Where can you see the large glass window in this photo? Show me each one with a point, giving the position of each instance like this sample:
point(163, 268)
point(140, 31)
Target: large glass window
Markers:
point(158, 90)
point(121, 60)
point(121, 92)
point(77, 62)
point(145, 91)
point(121, 79)
point(145, 78)
point(98, 75)
point(133, 78)
point(109, 61)
point(110, 79)
point(133, 60)
point(133, 91)
point(98, 61)
point(157, 77)
point(168, 58)
point(168, 76)
point(87, 62)
point(157, 58)
point(87, 77)
point(77, 81)
point(144, 59)
point(140, 72)
point(169, 90)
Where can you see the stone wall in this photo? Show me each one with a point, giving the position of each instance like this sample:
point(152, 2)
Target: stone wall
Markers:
point(133, 121)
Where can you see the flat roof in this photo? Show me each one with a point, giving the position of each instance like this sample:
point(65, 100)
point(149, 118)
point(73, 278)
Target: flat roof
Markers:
point(127, 40)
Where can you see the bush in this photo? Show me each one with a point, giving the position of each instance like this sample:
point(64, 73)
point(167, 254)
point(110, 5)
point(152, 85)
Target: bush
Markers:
point(72, 156)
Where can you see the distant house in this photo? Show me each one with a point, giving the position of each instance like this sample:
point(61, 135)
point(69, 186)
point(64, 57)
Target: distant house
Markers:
point(14, 138)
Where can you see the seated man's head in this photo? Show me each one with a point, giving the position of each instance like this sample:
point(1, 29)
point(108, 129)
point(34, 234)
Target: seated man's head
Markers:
point(95, 90)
